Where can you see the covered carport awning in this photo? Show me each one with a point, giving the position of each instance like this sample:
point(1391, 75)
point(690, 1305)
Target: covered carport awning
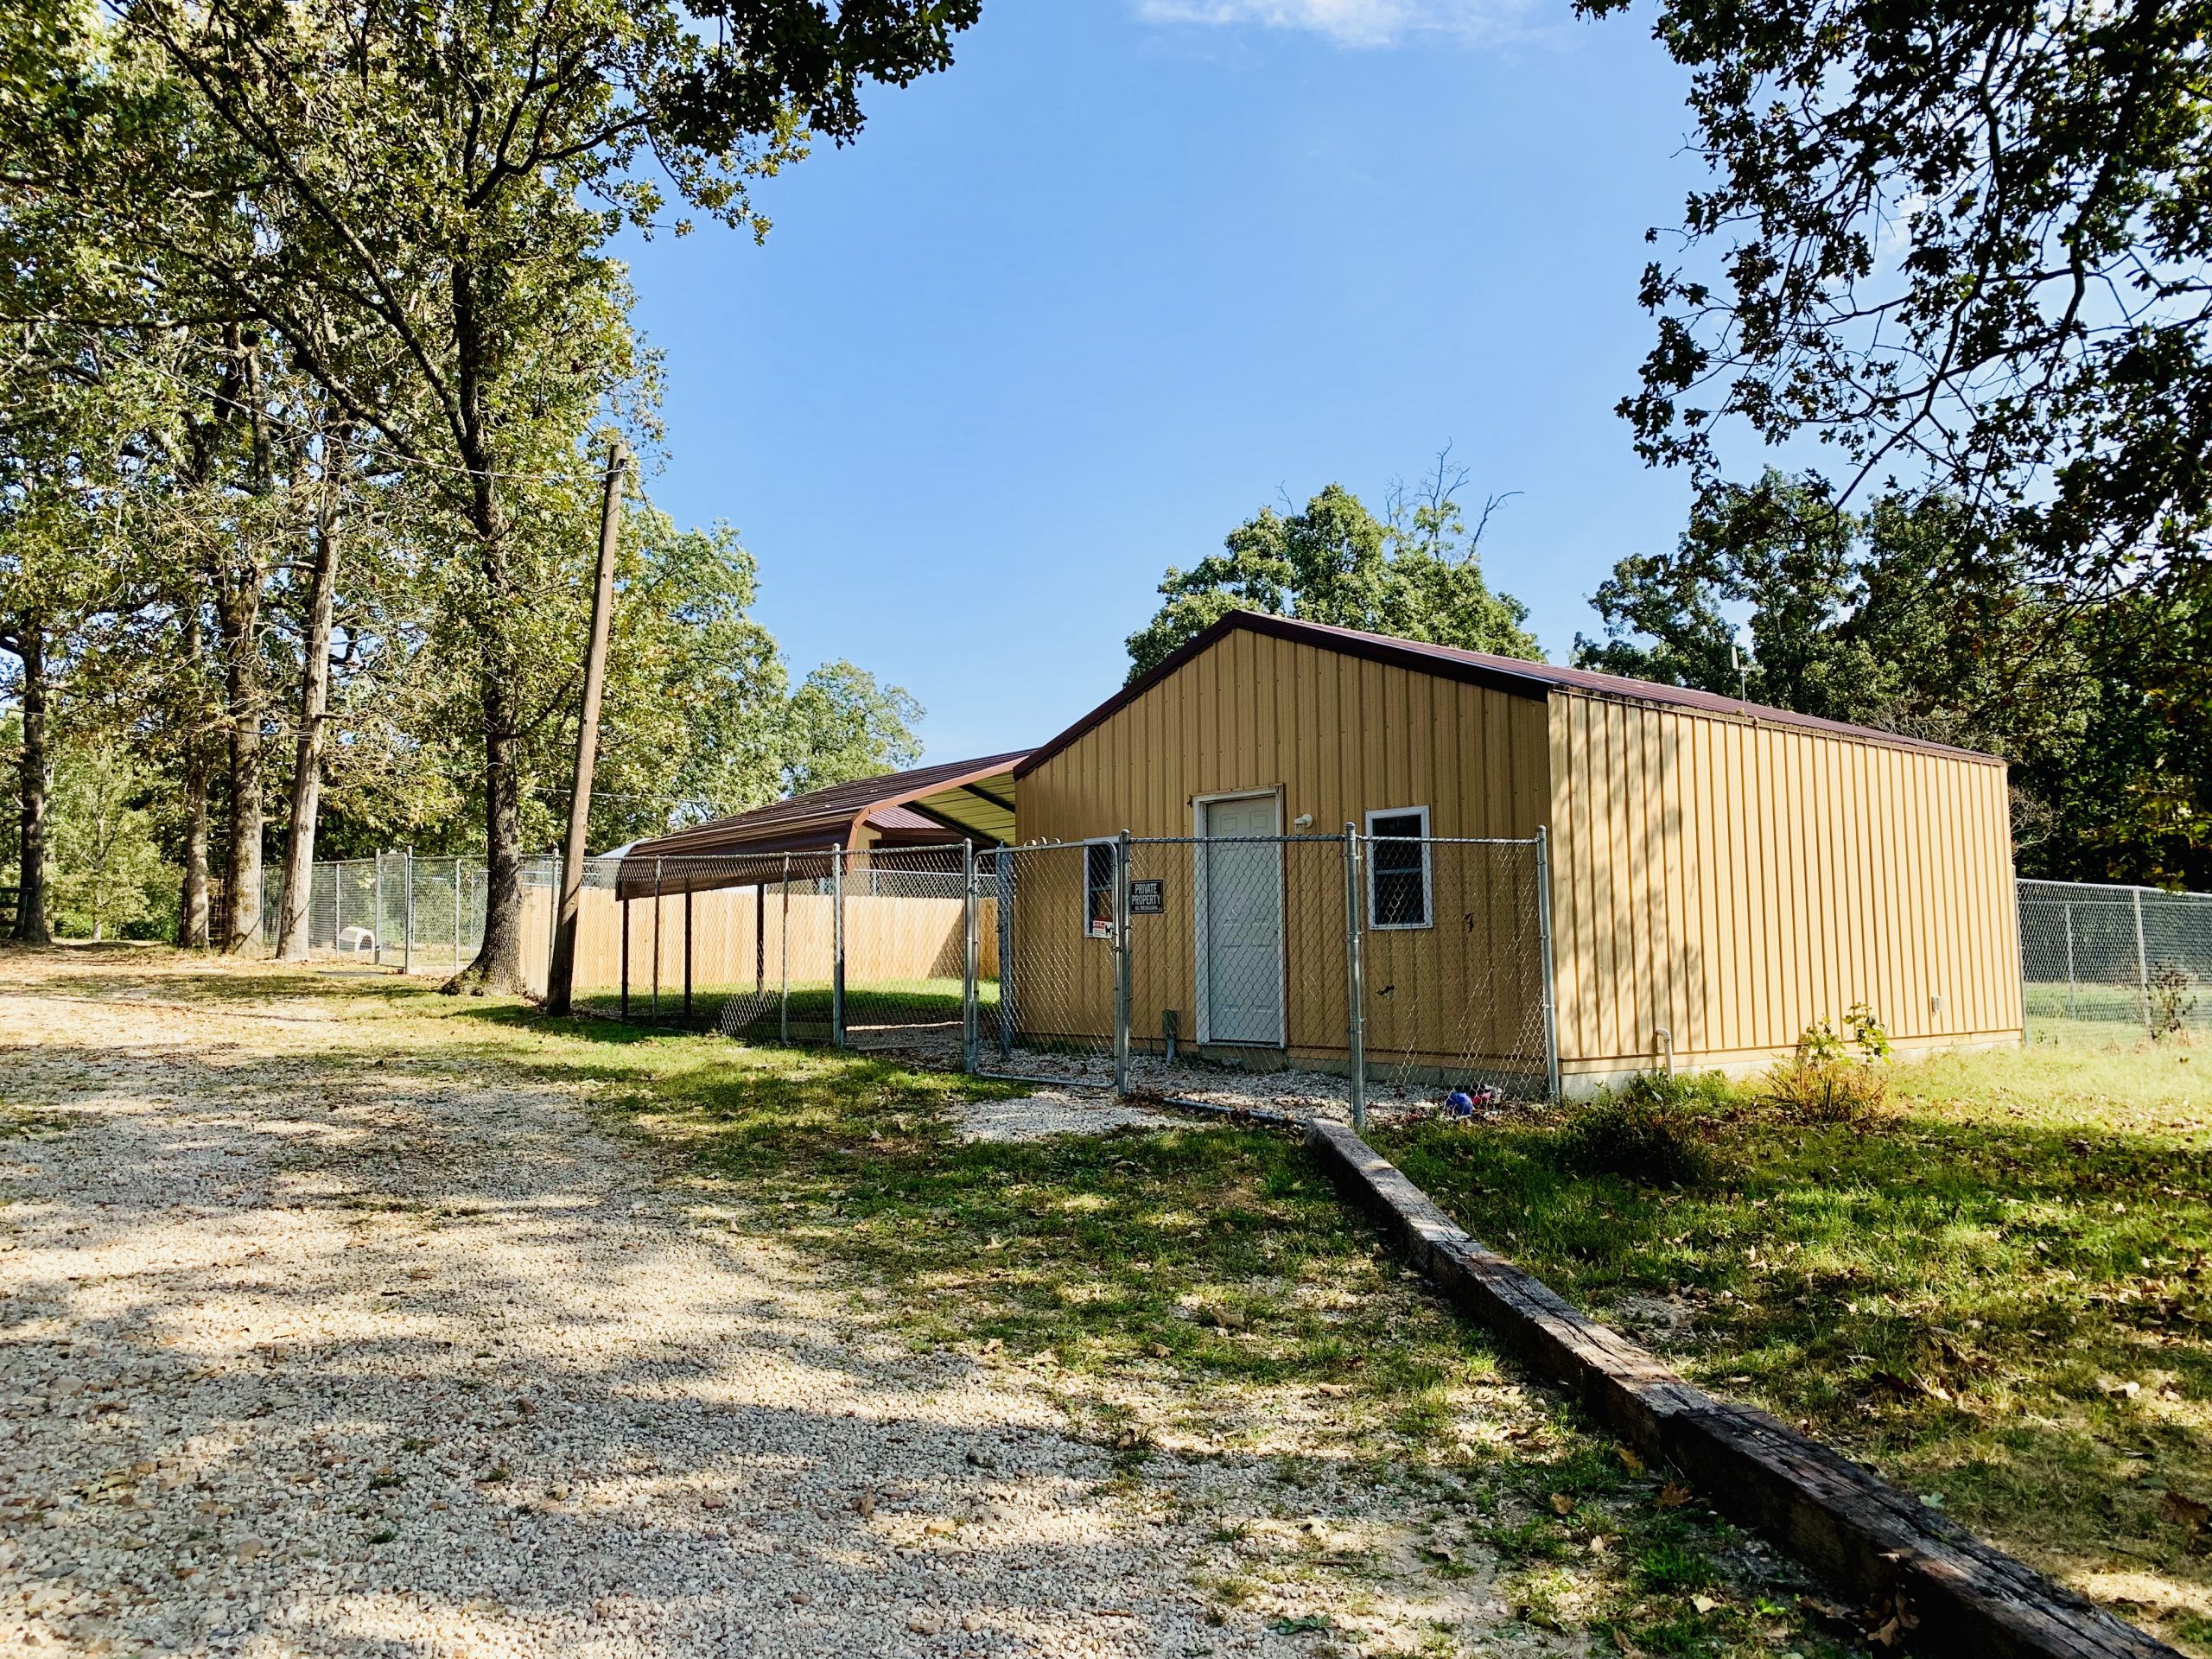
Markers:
point(955, 800)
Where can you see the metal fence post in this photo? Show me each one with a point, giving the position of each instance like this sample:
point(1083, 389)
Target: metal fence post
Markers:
point(1355, 984)
point(1544, 945)
point(338, 907)
point(1122, 963)
point(971, 952)
point(457, 922)
point(376, 911)
point(2142, 965)
point(624, 1007)
point(407, 945)
point(1003, 869)
point(837, 947)
point(2069, 962)
point(783, 999)
point(656, 1004)
point(687, 956)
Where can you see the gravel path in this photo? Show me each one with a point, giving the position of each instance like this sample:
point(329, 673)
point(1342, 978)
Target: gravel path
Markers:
point(1058, 1112)
point(305, 1357)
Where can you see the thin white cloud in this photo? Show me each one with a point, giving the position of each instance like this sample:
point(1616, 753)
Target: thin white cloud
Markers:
point(1354, 22)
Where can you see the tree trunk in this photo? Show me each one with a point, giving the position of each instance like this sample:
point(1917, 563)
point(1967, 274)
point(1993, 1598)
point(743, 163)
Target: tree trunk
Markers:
point(31, 780)
point(192, 920)
point(240, 610)
point(292, 933)
point(498, 966)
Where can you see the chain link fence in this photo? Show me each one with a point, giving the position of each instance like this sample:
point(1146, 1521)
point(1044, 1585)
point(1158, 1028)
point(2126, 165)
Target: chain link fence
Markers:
point(2092, 958)
point(868, 949)
point(1286, 973)
point(420, 915)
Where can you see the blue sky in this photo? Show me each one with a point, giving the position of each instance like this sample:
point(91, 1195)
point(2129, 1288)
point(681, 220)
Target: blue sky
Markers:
point(1066, 313)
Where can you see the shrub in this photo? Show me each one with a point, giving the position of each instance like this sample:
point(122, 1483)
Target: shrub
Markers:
point(2172, 999)
point(1645, 1132)
point(1827, 1091)
point(1832, 1079)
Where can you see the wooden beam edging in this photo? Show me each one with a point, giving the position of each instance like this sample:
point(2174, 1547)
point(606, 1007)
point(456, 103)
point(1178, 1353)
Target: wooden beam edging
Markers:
point(1953, 1594)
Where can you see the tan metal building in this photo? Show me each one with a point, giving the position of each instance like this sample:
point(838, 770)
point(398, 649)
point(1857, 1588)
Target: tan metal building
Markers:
point(1722, 875)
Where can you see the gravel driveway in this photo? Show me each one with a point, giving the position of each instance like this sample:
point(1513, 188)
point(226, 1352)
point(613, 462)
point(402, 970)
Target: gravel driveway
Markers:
point(298, 1356)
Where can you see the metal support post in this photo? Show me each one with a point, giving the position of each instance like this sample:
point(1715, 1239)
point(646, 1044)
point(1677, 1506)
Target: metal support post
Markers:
point(2070, 961)
point(626, 945)
point(456, 917)
point(376, 911)
point(338, 908)
point(1544, 947)
point(1122, 963)
point(784, 1001)
point(2142, 965)
point(1004, 868)
point(655, 1013)
point(407, 945)
point(687, 958)
point(971, 952)
point(837, 947)
point(1355, 985)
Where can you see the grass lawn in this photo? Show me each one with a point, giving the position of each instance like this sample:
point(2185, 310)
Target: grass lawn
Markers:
point(901, 1003)
point(1998, 1291)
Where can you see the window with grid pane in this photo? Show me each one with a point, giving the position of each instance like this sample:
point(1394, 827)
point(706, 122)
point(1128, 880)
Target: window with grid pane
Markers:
point(1397, 868)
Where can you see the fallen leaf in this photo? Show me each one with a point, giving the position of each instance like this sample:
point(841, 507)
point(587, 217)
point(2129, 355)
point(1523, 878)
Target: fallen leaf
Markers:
point(1630, 1460)
point(1703, 1604)
point(2185, 1512)
point(1562, 1504)
point(1672, 1496)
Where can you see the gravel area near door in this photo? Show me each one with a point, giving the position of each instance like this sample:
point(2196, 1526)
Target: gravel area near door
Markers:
point(300, 1355)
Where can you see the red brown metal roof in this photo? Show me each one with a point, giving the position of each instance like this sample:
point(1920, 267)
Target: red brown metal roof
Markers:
point(1512, 675)
point(821, 818)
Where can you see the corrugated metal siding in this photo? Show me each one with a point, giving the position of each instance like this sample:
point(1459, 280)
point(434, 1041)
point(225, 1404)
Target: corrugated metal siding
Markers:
point(1340, 736)
point(1734, 883)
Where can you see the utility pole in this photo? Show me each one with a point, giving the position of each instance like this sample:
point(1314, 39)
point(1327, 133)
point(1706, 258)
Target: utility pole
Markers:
point(563, 969)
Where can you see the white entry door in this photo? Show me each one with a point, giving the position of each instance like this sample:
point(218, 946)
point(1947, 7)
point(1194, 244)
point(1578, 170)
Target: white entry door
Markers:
point(1240, 923)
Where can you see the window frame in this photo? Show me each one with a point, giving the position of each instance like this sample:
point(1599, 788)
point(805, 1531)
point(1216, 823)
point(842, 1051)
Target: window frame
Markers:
point(1374, 871)
point(1092, 927)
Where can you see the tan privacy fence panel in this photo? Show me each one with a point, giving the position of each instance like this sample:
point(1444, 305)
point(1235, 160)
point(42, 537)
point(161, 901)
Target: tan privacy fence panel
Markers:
point(741, 937)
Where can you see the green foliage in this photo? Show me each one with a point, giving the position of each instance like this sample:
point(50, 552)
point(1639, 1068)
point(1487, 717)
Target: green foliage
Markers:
point(1415, 574)
point(843, 725)
point(107, 878)
point(384, 254)
point(1963, 247)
